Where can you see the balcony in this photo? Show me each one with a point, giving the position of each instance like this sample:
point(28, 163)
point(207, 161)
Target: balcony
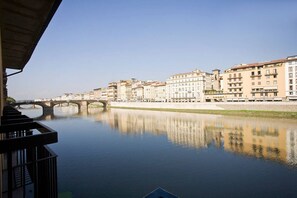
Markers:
point(272, 74)
point(265, 91)
point(238, 77)
point(29, 167)
point(255, 75)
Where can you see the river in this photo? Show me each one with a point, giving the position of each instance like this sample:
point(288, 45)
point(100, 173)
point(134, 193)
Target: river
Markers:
point(129, 153)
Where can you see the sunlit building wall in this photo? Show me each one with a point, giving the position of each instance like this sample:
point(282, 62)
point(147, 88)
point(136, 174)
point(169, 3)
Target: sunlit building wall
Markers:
point(112, 91)
point(187, 87)
point(263, 81)
point(121, 91)
point(160, 92)
point(137, 90)
point(291, 78)
point(137, 93)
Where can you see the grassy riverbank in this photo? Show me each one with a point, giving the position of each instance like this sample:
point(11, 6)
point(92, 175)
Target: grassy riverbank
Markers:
point(246, 113)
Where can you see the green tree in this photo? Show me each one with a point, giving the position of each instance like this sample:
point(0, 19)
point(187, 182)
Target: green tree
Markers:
point(10, 100)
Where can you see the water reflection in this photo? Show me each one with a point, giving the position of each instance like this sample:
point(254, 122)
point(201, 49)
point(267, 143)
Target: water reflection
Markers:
point(64, 112)
point(258, 137)
point(269, 139)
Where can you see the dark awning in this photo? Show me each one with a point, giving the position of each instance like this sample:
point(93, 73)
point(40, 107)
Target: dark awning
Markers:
point(22, 25)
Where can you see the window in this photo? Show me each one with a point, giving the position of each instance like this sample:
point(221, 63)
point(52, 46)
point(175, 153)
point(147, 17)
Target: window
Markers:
point(291, 81)
point(253, 73)
point(275, 82)
point(239, 74)
point(253, 94)
point(259, 72)
point(290, 69)
point(234, 75)
point(267, 82)
point(240, 95)
point(259, 78)
point(267, 77)
point(253, 83)
point(259, 83)
point(230, 76)
point(267, 71)
point(235, 95)
point(261, 94)
point(290, 75)
point(275, 71)
point(291, 88)
point(266, 94)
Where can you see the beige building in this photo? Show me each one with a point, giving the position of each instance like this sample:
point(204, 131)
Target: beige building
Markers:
point(137, 93)
point(188, 87)
point(291, 78)
point(154, 91)
point(100, 94)
point(215, 94)
point(160, 92)
point(137, 90)
point(263, 81)
point(124, 90)
point(112, 91)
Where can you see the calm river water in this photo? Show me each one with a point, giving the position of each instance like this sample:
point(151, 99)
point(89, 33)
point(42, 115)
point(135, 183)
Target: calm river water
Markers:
point(129, 153)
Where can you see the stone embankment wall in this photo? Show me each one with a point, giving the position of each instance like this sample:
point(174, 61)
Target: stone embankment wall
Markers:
point(262, 106)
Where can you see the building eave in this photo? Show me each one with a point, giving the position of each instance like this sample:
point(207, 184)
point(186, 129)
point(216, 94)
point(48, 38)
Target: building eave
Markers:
point(22, 25)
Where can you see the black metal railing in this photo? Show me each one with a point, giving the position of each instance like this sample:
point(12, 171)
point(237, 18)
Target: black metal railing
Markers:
point(29, 167)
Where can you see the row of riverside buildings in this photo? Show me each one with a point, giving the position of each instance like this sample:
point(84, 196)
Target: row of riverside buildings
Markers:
point(274, 80)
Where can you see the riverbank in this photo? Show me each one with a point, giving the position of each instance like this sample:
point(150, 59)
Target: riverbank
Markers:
point(269, 110)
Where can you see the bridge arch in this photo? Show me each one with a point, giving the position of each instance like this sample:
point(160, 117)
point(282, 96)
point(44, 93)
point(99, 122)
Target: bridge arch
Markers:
point(46, 108)
point(104, 103)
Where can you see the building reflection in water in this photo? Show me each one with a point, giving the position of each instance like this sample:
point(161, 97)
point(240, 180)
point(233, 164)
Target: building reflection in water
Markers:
point(258, 137)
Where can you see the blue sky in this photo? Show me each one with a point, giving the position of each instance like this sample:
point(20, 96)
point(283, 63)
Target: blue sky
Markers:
point(90, 43)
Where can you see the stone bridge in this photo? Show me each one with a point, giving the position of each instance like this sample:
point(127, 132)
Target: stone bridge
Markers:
point(48, 106)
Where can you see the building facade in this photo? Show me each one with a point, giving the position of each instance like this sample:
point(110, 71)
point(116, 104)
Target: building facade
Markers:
point(291, 78)
point(160, 92)
point(263, 81)
point(112, 92)
point(137, 93)
point(188, 87)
